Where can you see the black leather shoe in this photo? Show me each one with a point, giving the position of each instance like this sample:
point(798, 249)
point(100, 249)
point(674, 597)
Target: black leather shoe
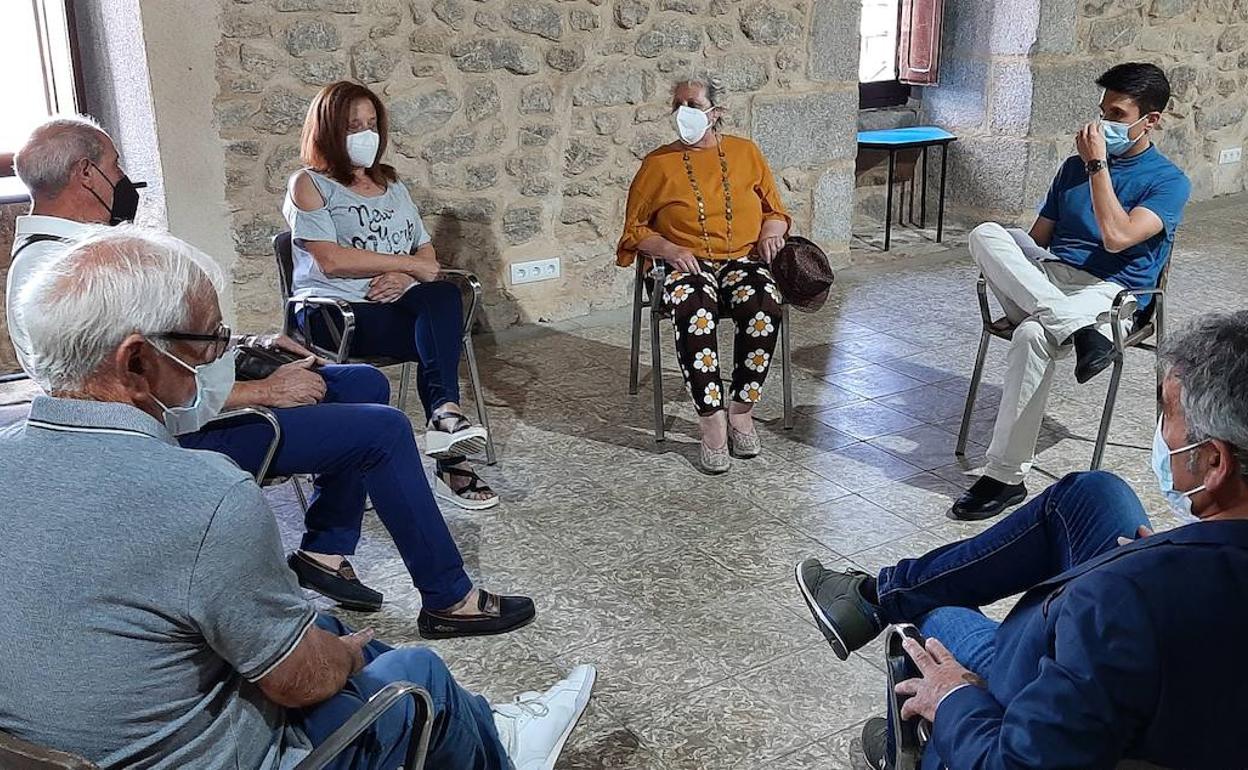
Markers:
point(987, 498)
point(495, 615)
point(1093, 352)
point(341, 584)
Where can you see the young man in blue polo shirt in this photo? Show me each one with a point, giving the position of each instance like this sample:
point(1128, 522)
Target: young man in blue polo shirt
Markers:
point(1107, 225)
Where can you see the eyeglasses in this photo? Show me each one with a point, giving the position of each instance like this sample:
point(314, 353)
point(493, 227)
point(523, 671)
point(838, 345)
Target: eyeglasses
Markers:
point(220, 339)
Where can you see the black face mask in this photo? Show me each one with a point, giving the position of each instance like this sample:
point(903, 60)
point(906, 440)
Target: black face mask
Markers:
point(125, 198)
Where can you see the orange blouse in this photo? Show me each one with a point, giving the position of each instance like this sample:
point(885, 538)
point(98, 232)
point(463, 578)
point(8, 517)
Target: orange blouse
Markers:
point(661, 200)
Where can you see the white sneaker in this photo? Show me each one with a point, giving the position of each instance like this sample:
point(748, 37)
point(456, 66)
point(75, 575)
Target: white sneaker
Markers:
point(535, 726)
point(441, 444)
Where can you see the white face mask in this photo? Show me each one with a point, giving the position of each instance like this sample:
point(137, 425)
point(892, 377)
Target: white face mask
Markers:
point(213, 383)
point(362, 147)
point(691, 123)
point(1180, 502)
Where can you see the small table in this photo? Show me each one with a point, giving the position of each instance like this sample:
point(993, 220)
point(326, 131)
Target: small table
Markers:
point(912, 138)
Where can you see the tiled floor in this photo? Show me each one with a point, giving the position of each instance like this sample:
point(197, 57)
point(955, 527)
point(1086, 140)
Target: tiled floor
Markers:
point(677, 585)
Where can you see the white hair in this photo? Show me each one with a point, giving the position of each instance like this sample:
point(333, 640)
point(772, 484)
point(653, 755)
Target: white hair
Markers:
point(116, 282)
point(716, 89)
point(46, 161)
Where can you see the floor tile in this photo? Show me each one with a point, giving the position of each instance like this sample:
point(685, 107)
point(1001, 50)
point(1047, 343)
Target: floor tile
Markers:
point(866, 420)
point(859, 466)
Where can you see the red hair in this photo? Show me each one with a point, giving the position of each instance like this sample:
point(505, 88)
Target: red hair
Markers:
point(323, 145)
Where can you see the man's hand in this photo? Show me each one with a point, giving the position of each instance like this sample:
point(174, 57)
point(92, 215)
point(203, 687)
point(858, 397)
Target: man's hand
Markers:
point(294, 384)
point(388, 287)
point(355, 643)
point(1090, 142)
point(282, 342)
point(941, 675)
point(768, 247)
point(1141, 533)
point(683, 260)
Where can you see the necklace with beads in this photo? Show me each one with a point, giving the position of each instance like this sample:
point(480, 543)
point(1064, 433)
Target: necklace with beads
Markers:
point(697, 194)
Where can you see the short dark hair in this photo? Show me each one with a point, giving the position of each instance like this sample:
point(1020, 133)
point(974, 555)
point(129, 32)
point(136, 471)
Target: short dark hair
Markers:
point(323, 146)
point(1146, 84)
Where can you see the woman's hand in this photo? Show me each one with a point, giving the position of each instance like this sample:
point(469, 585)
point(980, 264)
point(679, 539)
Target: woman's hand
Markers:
point(388, 287)
point(768, 247)
point(681, 259)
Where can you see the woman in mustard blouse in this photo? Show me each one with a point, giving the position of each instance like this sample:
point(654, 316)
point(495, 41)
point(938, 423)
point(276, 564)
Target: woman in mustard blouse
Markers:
point(707, 205)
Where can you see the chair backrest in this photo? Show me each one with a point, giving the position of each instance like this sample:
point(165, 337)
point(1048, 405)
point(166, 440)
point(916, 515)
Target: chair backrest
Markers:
point(16, 754)
point(1145, 313)
point(285, 262)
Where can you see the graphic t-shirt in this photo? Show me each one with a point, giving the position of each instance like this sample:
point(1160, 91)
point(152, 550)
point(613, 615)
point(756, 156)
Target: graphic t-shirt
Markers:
point(388, 224)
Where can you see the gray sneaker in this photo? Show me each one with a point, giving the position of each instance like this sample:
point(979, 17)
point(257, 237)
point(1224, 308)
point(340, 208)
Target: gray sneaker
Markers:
point(846, 619)
point(744, 445)
point(714, 460)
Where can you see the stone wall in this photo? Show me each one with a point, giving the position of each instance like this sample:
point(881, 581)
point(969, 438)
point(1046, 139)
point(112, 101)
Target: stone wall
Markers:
point(1018, 80)
point(519, 124)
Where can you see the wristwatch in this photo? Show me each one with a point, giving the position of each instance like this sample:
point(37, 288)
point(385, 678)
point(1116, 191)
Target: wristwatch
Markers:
point(1095, 165)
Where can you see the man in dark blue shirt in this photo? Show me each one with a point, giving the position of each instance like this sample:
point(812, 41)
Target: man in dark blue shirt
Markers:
point(1125, 644)
point(1107, 224)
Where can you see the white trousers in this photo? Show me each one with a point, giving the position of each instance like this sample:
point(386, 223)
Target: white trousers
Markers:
point(1049, 300)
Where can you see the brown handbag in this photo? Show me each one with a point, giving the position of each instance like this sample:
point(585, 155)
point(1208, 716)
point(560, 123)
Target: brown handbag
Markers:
point(803, 274)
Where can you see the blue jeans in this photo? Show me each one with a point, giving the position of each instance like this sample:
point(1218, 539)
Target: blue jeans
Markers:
point(425, 325)
point(354, 445)
point(463, 734)
point(1076, 519)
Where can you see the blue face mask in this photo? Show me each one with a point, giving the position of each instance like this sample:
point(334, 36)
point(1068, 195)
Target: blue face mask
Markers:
point(1118, 140)
point(1180, 502)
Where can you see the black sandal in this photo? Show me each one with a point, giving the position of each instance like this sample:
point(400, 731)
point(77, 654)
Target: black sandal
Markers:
point(475, 485)
point(463, 438)
point(495, 615)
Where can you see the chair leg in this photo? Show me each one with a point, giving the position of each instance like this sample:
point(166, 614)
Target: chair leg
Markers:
point(404, 381)
point(656, 374)
point(483, 416)
point(1107, 414)
point(303, 499)
point(634, 360)
point(786, 367)
point(972, 392)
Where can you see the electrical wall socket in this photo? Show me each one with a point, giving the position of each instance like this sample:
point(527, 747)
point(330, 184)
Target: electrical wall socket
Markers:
point(1231, 155)
point(535, 270)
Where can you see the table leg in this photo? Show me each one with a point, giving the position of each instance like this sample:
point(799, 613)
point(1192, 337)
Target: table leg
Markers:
point(923, 200)
point(888, 206)
point(912, 176)
point(940, 209)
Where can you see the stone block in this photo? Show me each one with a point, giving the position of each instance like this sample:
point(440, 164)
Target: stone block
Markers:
point(426, 41)
point(984, 173)
point(691, 7)
point(450, 148)
point(669, 35)
point(278, 167)
point(1015, 24)
point(1156, 39)
point(1219, 114)
point(833, 208)
point(372, 63)
point(318, 71)
point(1010, 107)
point(481, 100)
point(1194, 39)
point(488, 20)
point(450, 12)
point(1233, 37)
point(583, 19)
point(521, 223)
point(536, 136)
point(959, 102)
point(1113, 34)
point(480, 177)
point(647, 141)
point(630, 13)
point(967, 26)
point(427, 67)
point(1182, 80)
point(492, 53)
point(311, 35)
point(242, 24)
point(244, 148)
point(721, 35)
point(606, 123)
point(581, 156)
point(421, 113)
point(609, 85)
point(332, 6)
point(806, 129)
point(537, 186)
point(741, 73)
point(650, 113)
point(255, 61)
point(833, 45)
point(1168, 9)
point(565, 58)
point(234, 113)
point(892, 117)
point(765, 24)
point(536, 98)
point(536, 18)
point(255, 235)
point(281, 110)
point(1064, 96)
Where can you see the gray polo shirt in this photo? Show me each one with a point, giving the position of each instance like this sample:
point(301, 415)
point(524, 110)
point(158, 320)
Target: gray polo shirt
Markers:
point(144, 594)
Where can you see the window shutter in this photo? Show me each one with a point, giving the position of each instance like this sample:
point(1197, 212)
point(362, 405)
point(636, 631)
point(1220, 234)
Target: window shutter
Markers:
point(919, 25)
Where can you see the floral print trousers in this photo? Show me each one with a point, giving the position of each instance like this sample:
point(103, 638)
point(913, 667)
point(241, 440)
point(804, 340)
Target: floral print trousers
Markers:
point(744, 290)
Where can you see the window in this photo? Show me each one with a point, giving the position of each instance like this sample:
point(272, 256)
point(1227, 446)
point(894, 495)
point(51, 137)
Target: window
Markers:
point(36, 64)
point(899, 46)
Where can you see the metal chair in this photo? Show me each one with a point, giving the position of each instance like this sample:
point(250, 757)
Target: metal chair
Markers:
point(342, 329)
point(262, 473)
point(17, 754)
point(648, 292)
point(1148, 323)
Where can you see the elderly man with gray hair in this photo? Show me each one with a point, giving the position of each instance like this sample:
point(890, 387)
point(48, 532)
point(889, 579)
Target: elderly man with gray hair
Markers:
point(151, 622)
point(1125, 644)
